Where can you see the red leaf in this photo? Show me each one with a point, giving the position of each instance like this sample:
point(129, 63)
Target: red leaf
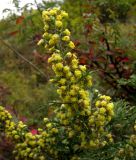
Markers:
point(126, 59)
point(19, 20)
point(13, 33)
point(34, 131)
point(120, 59)
point(83, 60)
point(88, 28)
point(77, 43)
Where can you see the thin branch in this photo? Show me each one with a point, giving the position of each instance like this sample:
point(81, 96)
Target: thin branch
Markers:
point(21, 56)
point(38, 8)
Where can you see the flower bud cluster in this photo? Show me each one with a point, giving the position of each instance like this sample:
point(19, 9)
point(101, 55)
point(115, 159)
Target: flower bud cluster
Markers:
point(4, 117)
point(11, 129)
point(81, 122)
point(32, 147)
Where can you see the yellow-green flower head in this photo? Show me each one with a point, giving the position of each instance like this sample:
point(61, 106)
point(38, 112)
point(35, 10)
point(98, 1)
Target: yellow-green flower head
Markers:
point(64, 14)
point(111, 113)
point(53, 12)
point(75, 61)
point(62, 81)
point(86, 102)
point(83, 68)
point(56, 8)
point(89, 83)
point(74, 99)
point(54, 58)
point(41, 143)
point(21, 125)
point(49, 125)
point(73, 79)
point(66, 69)
point(71, 45)
point(110, 106)
point(103, 103)
point(66, 38)
point(104, 97)
point(92, 144)
point(1, 108)
point(59, 66)
point(69, 54)
point(102, 110)
point(101, 118)
point(63, 88)
point(45, 120)
point(28, 135)
point(59, 91)
point(46, 35)
point(66, 32)
point(16, 137)
point(104, 143)
point(72, 92)
point(59, 17)
point(46, 27)
point(89, 80)
point(58, 24)
point(52, 42)
point(14, 132)
point(40, 42)
point(71, 134)
point(109, 118)
point(46, 17)
point(51, 49)
point(45, 13)
point(67, 98)
point(108, 98)
point(55, 37)
point(83, 93)
point(54, 130)
point(78, 73)
point(75, 87)
point(91, 120)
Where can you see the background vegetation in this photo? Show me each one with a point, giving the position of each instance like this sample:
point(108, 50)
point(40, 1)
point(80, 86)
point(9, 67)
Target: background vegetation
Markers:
point(104, 33)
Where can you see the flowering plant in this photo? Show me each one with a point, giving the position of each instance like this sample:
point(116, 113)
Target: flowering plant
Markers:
point(78, 124)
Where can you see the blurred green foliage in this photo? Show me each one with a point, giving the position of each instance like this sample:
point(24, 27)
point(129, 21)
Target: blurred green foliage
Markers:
point(26, 97)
